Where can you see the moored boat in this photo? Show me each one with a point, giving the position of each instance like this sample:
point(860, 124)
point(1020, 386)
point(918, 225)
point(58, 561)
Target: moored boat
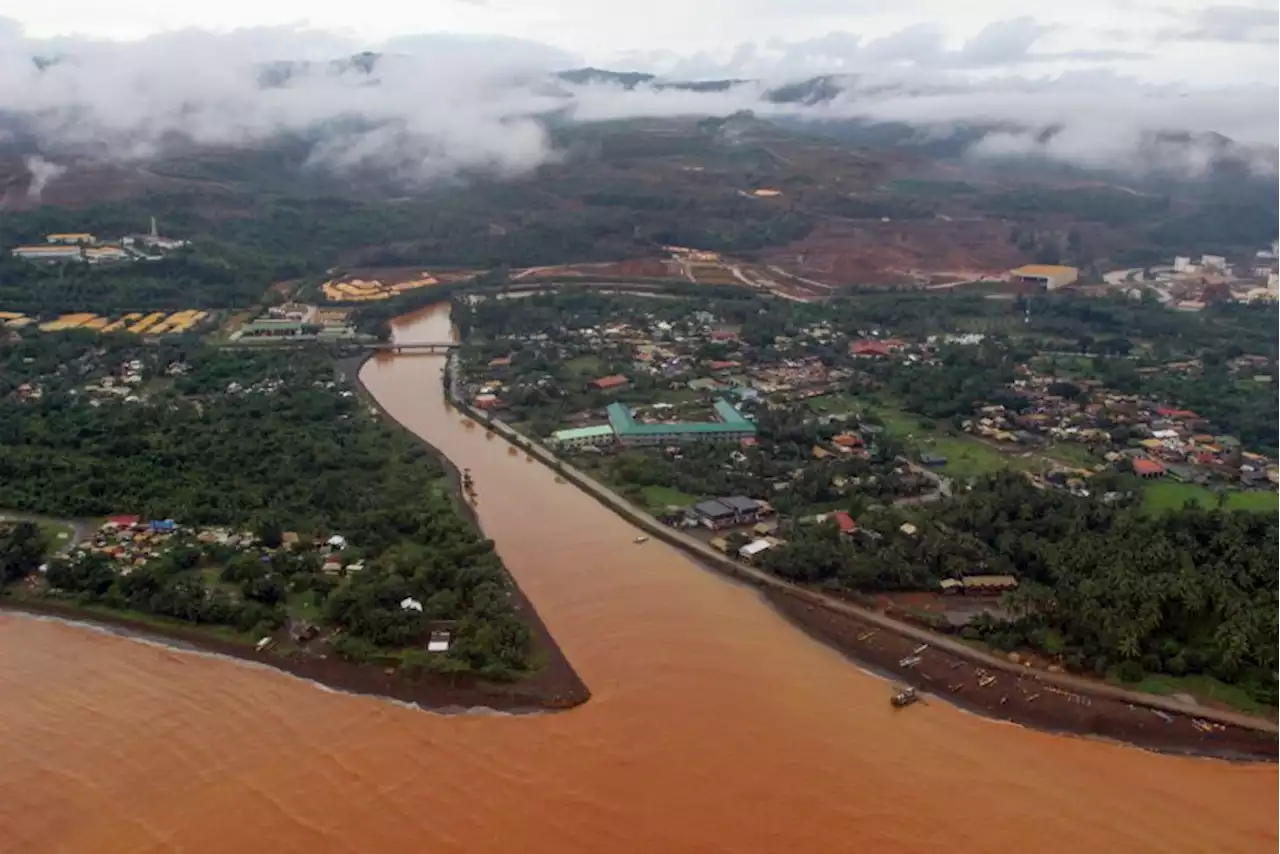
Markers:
point(904, 697)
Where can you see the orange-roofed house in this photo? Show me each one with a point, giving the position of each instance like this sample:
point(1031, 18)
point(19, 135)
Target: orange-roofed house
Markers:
point(848, 440)
point(610, 383)
point(845, 522)
point(1144, 467)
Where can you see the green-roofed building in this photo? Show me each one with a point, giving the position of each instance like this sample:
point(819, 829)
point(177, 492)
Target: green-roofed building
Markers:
point(731, 427)
point(580, 437)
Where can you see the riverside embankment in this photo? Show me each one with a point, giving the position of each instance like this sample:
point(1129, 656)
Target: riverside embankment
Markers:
point(948, 668)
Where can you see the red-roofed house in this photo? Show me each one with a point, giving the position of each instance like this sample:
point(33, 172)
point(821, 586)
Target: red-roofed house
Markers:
point(723, 335)
point(721, 365)
point(124, 521)
point(1170, 412)
point(1144, 467)
point(845, 521)
point(609, 383)
point(870, 349)
point(748, 442)
point(847, 440)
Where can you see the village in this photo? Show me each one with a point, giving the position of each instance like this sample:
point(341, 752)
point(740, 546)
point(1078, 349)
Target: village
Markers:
point(688, 389)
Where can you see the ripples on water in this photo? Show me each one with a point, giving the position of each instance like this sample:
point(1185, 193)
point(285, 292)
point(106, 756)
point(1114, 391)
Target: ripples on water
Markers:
point(714, 727)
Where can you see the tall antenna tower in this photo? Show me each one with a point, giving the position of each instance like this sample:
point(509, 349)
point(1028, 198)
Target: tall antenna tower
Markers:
point(154, 233)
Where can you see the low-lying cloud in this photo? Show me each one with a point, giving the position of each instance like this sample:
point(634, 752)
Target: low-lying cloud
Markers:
point(434, 106)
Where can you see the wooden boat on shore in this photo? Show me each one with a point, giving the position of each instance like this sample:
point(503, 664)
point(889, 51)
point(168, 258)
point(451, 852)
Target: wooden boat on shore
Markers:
point(905, 697)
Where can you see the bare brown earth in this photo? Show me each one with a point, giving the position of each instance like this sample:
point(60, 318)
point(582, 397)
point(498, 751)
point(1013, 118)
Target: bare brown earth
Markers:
point(845, 252)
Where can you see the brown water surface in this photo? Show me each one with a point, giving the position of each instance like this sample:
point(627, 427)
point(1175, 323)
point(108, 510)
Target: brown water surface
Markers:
point(715, 726)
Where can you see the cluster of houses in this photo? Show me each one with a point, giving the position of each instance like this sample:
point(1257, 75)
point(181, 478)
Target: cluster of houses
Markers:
point(1159, 439)
point(130, 541)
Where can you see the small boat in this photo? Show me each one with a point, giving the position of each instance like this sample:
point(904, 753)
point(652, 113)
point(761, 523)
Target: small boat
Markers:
point(512, 451)
point(904, 698)
point(559, 479)
point(909, 661)
point(639, 540)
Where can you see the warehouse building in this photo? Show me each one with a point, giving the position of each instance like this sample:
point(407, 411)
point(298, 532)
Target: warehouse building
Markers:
point(1048, 276)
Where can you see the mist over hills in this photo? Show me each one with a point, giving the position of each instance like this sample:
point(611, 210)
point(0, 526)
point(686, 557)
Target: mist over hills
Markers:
point(421, 118)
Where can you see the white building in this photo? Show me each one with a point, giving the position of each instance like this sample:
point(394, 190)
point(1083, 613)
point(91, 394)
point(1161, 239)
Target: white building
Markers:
point(1214, 262)
point(1182, 264)
point(581, 437)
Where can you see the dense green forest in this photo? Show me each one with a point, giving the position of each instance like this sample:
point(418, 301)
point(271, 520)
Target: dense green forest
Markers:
point(263, 441)
point(1104, 587)
point(21, 550)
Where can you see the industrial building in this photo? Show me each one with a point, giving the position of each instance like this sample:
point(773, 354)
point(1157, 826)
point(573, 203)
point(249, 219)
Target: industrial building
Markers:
point(731, 427)
point(49, 253)
point(1049, 276)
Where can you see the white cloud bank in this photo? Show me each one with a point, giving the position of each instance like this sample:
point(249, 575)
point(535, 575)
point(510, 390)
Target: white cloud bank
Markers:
point(439, 105)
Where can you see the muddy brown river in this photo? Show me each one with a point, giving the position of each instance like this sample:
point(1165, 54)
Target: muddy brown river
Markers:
point(715, 726)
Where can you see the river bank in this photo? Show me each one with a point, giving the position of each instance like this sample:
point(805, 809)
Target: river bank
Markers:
point(971, 678)
point(543, 690)
point(555, 684)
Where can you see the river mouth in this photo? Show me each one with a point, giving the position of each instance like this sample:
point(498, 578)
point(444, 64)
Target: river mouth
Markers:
point(713, 727)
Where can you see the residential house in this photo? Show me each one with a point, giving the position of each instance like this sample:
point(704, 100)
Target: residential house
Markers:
point(614, 382)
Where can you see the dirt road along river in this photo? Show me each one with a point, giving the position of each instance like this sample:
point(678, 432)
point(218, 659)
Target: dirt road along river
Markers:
point(714, 726)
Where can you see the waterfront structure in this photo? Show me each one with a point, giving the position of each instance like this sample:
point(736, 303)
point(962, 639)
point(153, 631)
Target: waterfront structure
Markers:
point(732, 427)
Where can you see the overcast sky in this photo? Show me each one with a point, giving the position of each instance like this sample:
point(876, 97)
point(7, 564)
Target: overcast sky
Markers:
point(1153, 40)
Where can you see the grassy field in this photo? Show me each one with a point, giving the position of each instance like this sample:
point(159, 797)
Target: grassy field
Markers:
point(659, 498)
point(966, 456)
point(1206, 689)
point(1165, 496)
point(584, 367)
point(56, 535)
point(837, 403)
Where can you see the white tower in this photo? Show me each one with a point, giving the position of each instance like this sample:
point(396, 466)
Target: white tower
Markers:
point(154, 233)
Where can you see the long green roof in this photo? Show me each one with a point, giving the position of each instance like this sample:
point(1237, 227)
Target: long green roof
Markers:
point(581, 432)
point(625, 424)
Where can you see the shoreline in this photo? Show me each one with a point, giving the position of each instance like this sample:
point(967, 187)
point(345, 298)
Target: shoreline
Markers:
point(950, 670)
point(526, 696)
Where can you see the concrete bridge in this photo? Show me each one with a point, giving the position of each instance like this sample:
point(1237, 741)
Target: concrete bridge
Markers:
point(441, 347)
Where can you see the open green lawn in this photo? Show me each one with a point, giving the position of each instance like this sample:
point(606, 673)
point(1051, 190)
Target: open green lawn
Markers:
point(966, 457)
point(1203, 688)
point(56, 535)
point(1072, 454)
point(1167, 495)
point(659, 498)
point(837, 403)
point(586, 367)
